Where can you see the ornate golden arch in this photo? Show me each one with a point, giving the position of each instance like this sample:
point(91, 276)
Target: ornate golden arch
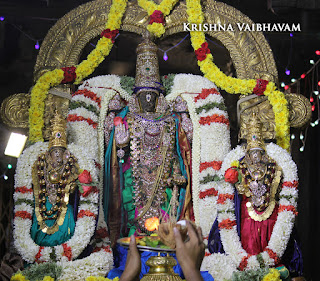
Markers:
point(249, 51)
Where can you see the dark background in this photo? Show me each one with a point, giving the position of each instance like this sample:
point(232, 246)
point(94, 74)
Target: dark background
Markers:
point(27, 22)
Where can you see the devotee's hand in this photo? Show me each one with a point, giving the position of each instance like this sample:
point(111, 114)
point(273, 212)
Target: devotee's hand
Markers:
point(133, 263)
point(191, 253)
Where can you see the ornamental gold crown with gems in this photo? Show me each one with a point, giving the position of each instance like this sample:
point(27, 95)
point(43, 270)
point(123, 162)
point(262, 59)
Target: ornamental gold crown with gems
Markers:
point(58, 136)
point(254, 137)
point(147, 67)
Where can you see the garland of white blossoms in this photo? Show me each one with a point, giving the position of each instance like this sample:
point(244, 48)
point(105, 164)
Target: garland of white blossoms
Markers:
point(211, 148)
point(211, 142)
point(286, 214)
point(94, 93)
point(24, 208)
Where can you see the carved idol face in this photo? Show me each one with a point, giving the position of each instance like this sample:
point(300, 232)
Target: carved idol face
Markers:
point(148, 101)
point(57, 156)
point(256, 155)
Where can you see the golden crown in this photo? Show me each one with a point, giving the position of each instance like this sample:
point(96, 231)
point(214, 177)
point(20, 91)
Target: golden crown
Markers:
point(58, 136)
point(254, 136)
point(147, 67)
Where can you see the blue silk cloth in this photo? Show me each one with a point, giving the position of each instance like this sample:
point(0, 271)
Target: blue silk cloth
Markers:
point(64, 233)
point(120, 257)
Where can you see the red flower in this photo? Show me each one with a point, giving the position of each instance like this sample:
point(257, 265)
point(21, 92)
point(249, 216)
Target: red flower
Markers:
point(294, 184)
point(85, 213)
point(38, 255)
point(23, 189)
point(23, 215)
point(273, 255)
point(223, 197)
point(117, 120)
point(288, 208)
point(85, 177)
point(88, 94)
point(227, 224)
point(260, 87)
point(202, 52)
point(88, 189)
point(111, 34)
point(216, 165)
point(105, 248)
point(102, 233)
point(205, 93)
point(208, 192)
point(215, 118)
point(244, 262)
point(231, 175)
point(69, 74)
point(75, 117)
point(157, 17)
point(67, 251)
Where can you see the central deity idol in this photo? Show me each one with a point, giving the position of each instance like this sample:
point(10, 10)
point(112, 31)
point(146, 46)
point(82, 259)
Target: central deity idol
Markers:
point(150, 140)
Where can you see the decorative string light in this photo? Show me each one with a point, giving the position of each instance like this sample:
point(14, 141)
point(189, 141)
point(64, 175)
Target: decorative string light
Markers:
point(37, 46)
point(311, 82)
point(165, 52)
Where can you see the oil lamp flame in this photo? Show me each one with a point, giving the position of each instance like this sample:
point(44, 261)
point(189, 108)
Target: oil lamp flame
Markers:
point(152, 224)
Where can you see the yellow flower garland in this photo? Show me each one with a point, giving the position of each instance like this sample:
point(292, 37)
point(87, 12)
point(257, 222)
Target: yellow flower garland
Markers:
point(239, 86)
point(273, 275)
point(165, 7)
point(207, 66)
point(53, 78)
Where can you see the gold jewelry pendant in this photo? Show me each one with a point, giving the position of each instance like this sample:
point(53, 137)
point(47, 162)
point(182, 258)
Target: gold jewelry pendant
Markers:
point(54, 177)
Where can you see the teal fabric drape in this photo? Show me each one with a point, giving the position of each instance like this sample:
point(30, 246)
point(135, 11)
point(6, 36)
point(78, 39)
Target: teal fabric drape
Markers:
point(65, 232)
point(107, 170)
point(182, 191)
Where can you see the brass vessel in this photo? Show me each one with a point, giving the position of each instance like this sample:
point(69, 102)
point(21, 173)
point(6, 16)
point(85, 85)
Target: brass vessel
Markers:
point(161, 268)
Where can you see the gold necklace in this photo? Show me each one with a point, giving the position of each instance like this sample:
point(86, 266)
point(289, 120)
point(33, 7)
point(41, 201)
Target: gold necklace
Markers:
point(65, 185)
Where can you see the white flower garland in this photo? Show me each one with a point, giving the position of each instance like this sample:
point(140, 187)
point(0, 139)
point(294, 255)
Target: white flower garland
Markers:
point(97, 264)
point(23, 197)
point(105, 87)
point(286, 215)
point(211, 142)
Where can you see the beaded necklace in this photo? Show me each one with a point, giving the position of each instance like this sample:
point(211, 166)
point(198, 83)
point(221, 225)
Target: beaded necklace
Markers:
point(55, 185)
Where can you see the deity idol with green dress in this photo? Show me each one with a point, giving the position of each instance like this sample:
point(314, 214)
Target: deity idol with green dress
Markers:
point(53, 176)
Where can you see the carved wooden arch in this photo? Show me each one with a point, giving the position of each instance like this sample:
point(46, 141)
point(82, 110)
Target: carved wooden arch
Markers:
point(250, 52)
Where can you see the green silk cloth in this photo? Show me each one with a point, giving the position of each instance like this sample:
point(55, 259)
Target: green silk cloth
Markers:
point(127, 200)
point(64, 233)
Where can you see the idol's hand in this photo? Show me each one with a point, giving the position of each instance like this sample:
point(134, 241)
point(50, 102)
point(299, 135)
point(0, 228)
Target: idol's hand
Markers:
point(133, 263)
point(191, 253)
point(121, 135)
